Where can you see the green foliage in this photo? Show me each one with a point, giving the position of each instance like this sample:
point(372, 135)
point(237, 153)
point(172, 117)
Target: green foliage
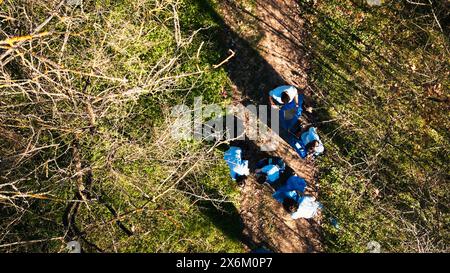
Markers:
point(176, 225)
point(380, 76)
point(381, 72)
point(142, 181)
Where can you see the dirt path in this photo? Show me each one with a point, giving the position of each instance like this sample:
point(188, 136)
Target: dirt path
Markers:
point(266, 36)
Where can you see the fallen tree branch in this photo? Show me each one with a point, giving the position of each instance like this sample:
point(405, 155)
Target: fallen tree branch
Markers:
point(232, 53)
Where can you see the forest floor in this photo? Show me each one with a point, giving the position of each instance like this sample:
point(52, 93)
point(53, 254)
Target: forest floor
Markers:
point(265, 36)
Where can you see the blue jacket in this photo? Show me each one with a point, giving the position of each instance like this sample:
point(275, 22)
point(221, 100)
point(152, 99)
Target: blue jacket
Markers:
point(276, 93)
point(293, 185)
point(290, 113)
point(233, 157)
point(272, 172)
point(308, 136)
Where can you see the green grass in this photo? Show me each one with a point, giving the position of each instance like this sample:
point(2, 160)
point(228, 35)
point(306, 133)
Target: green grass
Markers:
point(127, 40)
point(373, 65)
point(379, 68)
point(184, 227)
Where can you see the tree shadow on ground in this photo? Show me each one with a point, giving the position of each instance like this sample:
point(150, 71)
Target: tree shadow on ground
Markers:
point(226, 217)
point(253, 77)
point(248, 70)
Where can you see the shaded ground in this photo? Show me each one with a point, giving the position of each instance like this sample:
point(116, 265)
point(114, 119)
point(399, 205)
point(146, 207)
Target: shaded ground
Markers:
point(266, 35)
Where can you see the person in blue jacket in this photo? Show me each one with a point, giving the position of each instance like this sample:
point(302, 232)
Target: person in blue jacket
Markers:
point(238, 167)
point(293, 200)
point(283, 95)
point(269, 173)
point(308, 145)
point(290, 114)
point(269, 170)
point(286, 97)
point(295, 186)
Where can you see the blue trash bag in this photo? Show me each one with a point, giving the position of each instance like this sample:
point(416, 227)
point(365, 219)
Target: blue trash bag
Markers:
point(308, 208)
point(334, 223)
point(297, 144)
